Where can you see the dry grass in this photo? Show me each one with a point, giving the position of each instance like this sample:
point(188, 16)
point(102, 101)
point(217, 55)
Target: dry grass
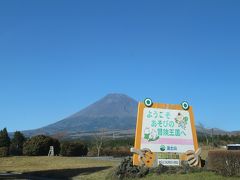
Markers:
point(83, 168)
point(58, 167)
point(206, 149)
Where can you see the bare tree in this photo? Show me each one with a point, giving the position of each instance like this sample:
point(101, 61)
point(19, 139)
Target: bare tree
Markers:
point(99, 137)
point(204, 131)
point(212, 137)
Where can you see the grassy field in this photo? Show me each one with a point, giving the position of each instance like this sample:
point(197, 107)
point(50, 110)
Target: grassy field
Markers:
point(58, 167)
point(79, 168)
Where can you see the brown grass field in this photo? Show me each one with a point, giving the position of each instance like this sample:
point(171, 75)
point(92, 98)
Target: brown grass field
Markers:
point(79, 168)
point(57, 167)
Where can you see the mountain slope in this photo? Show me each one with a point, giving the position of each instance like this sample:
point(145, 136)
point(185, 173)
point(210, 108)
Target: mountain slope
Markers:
point(114, 111)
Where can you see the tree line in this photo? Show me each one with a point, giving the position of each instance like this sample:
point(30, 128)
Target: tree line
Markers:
point(38, 145)
point(218, 140)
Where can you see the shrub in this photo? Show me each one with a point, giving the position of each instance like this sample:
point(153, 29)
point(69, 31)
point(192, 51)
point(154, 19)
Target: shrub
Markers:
point(92, 151)
point(224, 162)
point(127, 170)
point(73, 149)
point(183, 169)
point(159, 170)
point(116, 151)
point(39, 145)
point(4, 151)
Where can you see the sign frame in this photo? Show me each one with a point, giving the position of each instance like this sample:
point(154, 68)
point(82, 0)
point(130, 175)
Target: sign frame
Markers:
point(138, 133)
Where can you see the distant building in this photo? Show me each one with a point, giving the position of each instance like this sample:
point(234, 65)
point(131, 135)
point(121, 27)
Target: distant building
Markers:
point(233, 147)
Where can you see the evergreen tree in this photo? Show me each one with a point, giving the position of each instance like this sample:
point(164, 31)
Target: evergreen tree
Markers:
point(39, 145)
point(16, 147)
point(4, 138)
point(18, 139)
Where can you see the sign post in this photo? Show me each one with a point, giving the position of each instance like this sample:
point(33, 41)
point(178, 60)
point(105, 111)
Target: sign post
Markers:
point(167, 130)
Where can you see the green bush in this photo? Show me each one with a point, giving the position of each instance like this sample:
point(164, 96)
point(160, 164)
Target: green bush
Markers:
point(4, 151)
point(39, 145)
point(116, 151)
point(224, 162)
point(73, 149)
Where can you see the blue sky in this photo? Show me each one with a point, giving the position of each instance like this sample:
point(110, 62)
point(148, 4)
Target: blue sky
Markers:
point(57, 57)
